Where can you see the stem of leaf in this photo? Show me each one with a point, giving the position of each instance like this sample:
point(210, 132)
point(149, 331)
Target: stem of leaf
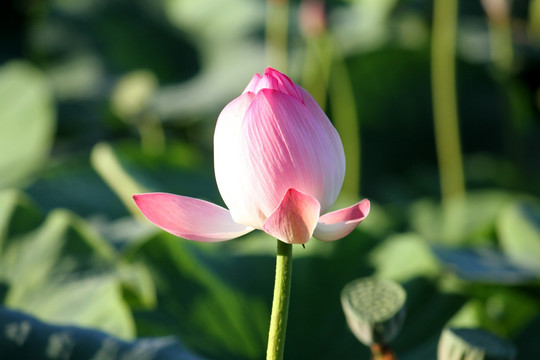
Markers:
point(325, 73)
point(152, 136)
point(345, 118)
point(280, 303)
point(277, 24)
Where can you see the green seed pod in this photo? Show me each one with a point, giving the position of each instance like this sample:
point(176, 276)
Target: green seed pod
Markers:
point(473, 344)
point(374, 309)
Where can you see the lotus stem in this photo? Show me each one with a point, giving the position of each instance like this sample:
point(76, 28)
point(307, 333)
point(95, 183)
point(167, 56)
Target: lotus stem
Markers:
point(280, 303)
point(500, 34)
point(345, 118)
point(277, 24)
point(445, 111)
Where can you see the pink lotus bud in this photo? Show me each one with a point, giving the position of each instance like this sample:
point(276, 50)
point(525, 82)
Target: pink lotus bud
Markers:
point(279, 165)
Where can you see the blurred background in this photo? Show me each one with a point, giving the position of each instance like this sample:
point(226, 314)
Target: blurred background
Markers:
point(437, 103)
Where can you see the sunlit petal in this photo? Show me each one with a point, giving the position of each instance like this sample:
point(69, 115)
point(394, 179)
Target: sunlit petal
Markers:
point(295, 218)
point(189, 218)
point(274, 80)
point(338, 224)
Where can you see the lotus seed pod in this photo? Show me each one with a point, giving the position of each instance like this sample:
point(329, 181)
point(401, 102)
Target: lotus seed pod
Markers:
point(473, 344)
point(374, 309)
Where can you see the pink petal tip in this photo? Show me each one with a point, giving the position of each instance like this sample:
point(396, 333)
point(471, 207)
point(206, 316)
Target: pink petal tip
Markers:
point(189, 218)
point(294, 219)
point(338, 224)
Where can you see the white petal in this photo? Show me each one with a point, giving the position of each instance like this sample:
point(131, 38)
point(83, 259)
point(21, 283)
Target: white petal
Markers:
point(227, 156)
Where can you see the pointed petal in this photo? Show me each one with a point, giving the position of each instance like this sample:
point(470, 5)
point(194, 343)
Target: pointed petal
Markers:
point(253, 84)
point(274, 80)
point(295, 218)
point(189, 218)
point(338, 224)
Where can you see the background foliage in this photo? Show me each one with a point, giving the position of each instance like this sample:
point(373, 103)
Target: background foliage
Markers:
point(102, 99)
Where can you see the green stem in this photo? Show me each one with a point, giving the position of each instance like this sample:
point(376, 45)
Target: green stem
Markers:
point(345, 118)
point(317, 67)
point(500, 39)
point(280, 303)
point(500, 35)
point(534, 20)
point(152, 136)
point(277, 24)
point(107, 164)
point(445, 113)
point(325, 72)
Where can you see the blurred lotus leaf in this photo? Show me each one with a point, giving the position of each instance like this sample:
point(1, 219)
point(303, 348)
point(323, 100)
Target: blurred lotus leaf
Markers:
point(62, 271)
point(483, 264)
point(27, 122)
point(473, 344)
point(519, 233)
point(24, 337)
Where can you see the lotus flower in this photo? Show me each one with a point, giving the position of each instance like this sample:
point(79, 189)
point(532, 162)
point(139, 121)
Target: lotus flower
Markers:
point(279, 166)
